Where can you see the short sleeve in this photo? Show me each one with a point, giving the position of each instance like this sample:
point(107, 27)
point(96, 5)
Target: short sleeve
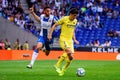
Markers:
point(61, 21)
point(55, 19)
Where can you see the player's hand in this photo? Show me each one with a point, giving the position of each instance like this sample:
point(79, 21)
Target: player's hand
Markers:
point(49, 37)
point(31, 9)
point(77, 42)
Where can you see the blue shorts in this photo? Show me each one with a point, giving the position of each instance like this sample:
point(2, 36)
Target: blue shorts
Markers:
point(40, 39)
point(45, 42)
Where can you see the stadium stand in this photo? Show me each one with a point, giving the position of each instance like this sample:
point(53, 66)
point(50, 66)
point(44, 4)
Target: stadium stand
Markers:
point(95, 19)
point(109, 19)
point(12, 32)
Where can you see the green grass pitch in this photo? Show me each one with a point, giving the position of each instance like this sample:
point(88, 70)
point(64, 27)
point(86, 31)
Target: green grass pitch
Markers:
point(43, 70)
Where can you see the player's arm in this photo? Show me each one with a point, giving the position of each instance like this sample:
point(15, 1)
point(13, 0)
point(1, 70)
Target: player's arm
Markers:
point(35, 16)
point(74, 38)
point(59, 22)
point(51, 31)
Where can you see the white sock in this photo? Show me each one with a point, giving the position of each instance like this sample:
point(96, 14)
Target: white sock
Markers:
point(34, 56)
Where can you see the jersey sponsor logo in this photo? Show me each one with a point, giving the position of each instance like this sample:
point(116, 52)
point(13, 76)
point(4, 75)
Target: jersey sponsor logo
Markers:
point(70, 25)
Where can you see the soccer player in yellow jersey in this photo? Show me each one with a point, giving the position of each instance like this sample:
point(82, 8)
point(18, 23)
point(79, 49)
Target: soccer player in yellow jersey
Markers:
point(68, 24)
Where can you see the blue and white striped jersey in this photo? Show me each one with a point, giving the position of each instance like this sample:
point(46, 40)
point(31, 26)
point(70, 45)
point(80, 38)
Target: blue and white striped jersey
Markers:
point(46, 24)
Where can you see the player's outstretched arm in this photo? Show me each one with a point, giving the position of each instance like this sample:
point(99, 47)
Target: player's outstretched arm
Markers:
point(33, 13)
point(51, 31)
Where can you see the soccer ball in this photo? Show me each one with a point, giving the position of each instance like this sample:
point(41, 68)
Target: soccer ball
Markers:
point(80, 72)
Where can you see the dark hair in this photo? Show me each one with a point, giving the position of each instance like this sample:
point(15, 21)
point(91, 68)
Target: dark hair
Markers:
point(73, 11)
point(46, 7)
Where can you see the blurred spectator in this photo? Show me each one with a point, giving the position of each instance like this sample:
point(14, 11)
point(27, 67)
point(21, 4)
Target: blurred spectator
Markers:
point(83, 9)
point(102, 1)
point(97, 21)
point(26, 45)
point(94, 9)
point(21, 22)
point(116, 3)
point(21, 47)
point(105, 10)
point(106, 44)
point(96, 43)
point(109, 13)
point(116, 33)
point(4, 4)
point(19, 9)
point(58, 4)
point(40, 8)
point(90, 44)
point(84, 24)
point(100, 9)
point(33, 47)
point(31, 3)
point(115, 14)
point(9, 48)
point(110, 33)
point(17, 45)
point(7, 44)
point(0, 10)
point(2, 45)
point(11, 18)
point(89, 4)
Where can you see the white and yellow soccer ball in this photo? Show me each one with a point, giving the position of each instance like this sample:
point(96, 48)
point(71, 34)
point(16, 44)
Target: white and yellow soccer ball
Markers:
point(80, 72)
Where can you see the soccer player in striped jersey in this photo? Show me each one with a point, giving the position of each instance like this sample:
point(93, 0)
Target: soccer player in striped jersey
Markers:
point(68, 24)
point(46, 20)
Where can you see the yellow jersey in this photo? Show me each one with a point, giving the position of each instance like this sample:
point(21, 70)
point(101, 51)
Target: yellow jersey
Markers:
point(67, 28)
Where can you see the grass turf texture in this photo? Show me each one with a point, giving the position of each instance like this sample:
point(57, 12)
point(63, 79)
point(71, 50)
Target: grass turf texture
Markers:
point(43, 70)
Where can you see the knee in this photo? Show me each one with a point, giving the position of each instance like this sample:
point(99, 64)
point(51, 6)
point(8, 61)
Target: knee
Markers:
point(70, 56)
point(38, 48)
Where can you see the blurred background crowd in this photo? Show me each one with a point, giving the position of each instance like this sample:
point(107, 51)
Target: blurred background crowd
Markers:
point(98, 20)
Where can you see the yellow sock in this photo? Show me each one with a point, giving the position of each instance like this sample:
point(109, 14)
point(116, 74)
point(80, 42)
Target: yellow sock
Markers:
point(61, 59)
point(68, 62)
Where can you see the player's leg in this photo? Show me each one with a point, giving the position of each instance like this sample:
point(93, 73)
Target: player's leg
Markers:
point(60, 60)
point(69, 51)
point(36, 51)
point(35, 54)
point(68, 62)
point(47, 48)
